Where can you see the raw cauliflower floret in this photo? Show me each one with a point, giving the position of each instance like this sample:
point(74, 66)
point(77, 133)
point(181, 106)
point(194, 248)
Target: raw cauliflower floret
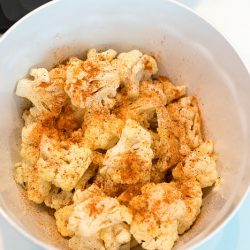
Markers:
point(70, 119)
point(163, 85)
point(199, 164)
point(101, 129)
point(134, 67)
point(62, 216)
point(115, 236)
point(179, 128)
point(81, 243)
point(48, 98)
point(25, 172)
point(58, 198)
point(97, 211)
point(130, 160)
point(37, 188)
point(109, 187)
point(107, 55)
point(87, 176)
point(156, 213)
point(63, 167)
point(92, 82)
point(192, 196)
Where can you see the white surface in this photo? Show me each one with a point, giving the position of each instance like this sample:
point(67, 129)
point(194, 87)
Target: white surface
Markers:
point(213, 11)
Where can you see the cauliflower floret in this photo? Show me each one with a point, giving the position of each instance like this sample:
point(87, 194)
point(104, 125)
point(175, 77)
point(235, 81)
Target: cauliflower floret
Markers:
point(155, 216)
point(155, 94)
point(179, 128)
point(48, 98)
point(63, 167)
point(58, 198)
point(129, 162)
point(199, 164)
point(92, 82)
point(157, 176)
point(163, 87)
point(129, 192)
point(97, 211)
point(101, 129)
point(37, 188)
point(70, 119)
point(89, 174)
point(134, 67)
point(31, 136)
point(115, 236)
point(81, 243)
point(109, 187)
point(107, 55)
point(62, 216)
point(192, 196)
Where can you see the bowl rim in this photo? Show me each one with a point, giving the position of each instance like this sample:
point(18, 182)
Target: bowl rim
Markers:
point(232, 46)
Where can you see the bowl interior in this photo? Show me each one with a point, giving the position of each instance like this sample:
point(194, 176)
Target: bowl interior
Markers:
point(188, 50)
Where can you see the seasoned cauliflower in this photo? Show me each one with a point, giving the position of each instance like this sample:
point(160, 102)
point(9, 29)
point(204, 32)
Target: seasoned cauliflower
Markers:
point(101, 129)
point(116, 150)
point(192, 196)
point(109, 187)
point(199, 164)
point(129, 162)
point(92, 82)
point(58, 198)
point(48, 98)
point(62, 216)
point(81, 243)
point(115, 236)
point(97, 211)
point(129, 192)
point(134, 67)
point(70, 119)
point(63, 167)
point(37, 188)
point(155, 216)
point(107, 55)
point(89, 174)
point(179, 128)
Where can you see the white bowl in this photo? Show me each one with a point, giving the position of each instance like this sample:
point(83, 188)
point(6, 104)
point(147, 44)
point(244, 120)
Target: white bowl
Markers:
point(189, 51)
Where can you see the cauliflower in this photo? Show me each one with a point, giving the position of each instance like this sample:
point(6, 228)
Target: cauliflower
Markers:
point(134, 67)
point(25, 173)
point(87, 176)
point(107, 55)
point(129, 162)
point(155, 216)
point(97, 211)
point(58, 198)
point(153, 94)
point(109, 187)
point(62, 216)
point(199, 164)
point(70, 119)
point(115, 236)
point(129, 193)
point(48, 99)
point(157, 176)
point(163, 87)
point(63, 167)
point(81, 243)
point(37, 188)
point(192, 196)
point(179, 128)
point(101, 129)
point(93, 82)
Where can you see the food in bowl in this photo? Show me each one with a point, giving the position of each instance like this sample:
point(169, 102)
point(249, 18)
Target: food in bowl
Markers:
point(115, 149)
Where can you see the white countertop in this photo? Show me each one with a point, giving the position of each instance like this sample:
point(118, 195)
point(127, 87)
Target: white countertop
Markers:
point(232, 18)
